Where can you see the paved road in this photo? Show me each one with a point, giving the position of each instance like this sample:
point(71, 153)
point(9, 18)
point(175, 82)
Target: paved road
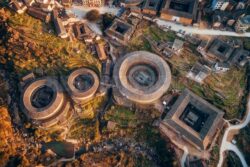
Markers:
point(193, 30)
point(81, 11)
point(227, 146)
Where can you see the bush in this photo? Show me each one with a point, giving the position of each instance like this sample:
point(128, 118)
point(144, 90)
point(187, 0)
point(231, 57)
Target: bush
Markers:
point(93, 15)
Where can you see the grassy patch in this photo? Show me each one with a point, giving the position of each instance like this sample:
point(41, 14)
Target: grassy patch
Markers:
point(83, 129)
point(138, 42)
point(124, 117)
point(139, 126)
point(157, 34)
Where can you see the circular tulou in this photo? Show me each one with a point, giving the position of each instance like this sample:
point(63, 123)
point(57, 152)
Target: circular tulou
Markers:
point(142, 77)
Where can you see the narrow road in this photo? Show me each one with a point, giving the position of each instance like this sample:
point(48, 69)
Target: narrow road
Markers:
point(227, 146)
point(193, 30)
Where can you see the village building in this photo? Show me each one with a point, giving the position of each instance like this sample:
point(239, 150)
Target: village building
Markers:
point(161, 47)
point(151, 7)
point(17, 6)
point(242, 24)
point(224, 54)
point(92, 3)
point(240, 57)
point(219, 18)
point(60, 29)
point(39, 14)
point(192, 120)
point(177, 46)
point(132, 19)
point(225, 19)
point(101, 53)
point(219, 4)
point(221, 67)
point(182, 11)
point(198, 73)
point(120, 31)
point(202, 47)
point(83, 32)
point(219, 50)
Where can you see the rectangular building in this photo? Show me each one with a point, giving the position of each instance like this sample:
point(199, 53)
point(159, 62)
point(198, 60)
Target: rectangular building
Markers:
point(120, 31)
point(151, 7)
point(182, 11)
point(194, 120)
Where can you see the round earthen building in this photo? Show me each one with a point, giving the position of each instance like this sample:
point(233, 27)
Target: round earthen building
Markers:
point(142, 77)
point(82, 84)
point(44, 102)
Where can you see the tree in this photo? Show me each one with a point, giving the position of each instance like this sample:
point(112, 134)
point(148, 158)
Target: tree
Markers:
point(93, 15)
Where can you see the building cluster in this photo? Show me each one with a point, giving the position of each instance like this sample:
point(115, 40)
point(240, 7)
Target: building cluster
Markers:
point(225, 5)
point(138, 78)
point(66, 24)
point(219, 55)
point(166, 48)
point(227, 52)
point(47, 101)
point(182, 11)
point(225, 14)
point(230, 15)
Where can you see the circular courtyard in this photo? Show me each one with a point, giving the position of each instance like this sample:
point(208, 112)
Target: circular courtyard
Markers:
point(142, 77)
